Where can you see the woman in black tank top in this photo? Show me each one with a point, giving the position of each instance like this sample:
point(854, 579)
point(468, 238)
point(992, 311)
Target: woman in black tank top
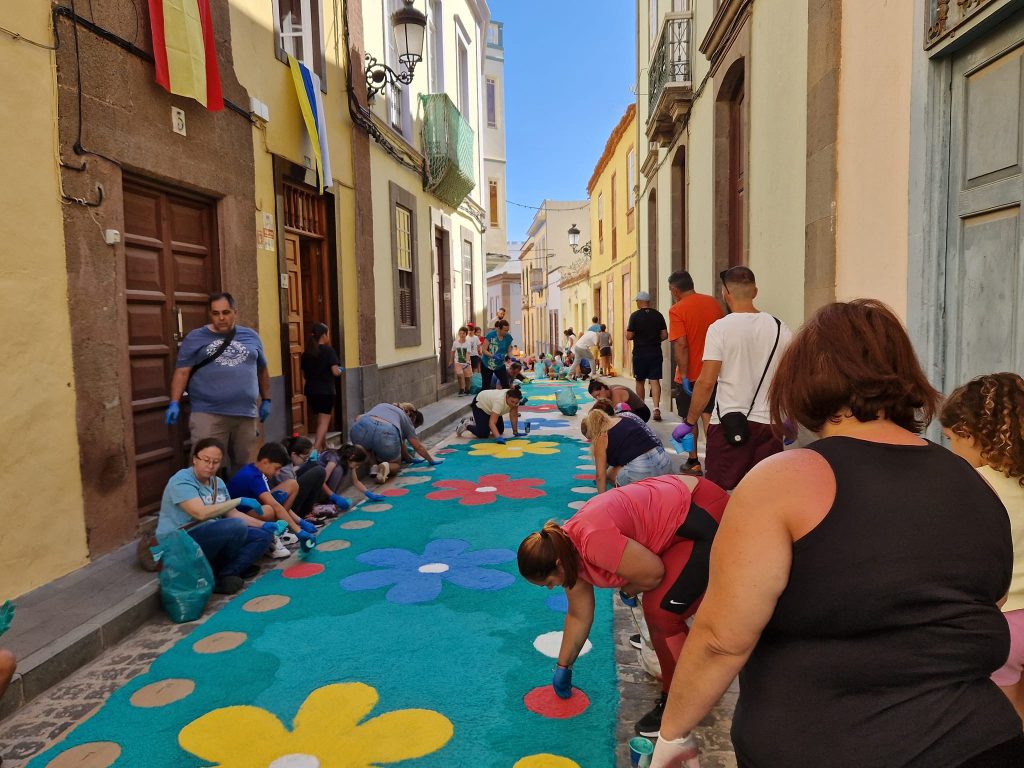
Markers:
point(854, 583)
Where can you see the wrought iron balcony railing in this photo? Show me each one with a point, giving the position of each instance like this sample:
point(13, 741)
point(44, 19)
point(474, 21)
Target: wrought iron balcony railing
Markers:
point(671, 60)
point(448, 142)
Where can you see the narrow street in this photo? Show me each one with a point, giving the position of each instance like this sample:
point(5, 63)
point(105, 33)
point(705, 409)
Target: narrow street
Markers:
point(407, 633)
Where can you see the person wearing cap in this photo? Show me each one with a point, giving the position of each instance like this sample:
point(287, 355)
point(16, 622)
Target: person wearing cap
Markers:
point(647, 329)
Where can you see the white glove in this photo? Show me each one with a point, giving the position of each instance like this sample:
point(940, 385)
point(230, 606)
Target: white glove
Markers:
point(676, 753)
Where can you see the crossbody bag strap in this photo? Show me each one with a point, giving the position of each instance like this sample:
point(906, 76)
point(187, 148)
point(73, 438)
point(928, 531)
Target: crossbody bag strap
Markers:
point(220, 351)
point(778, 334)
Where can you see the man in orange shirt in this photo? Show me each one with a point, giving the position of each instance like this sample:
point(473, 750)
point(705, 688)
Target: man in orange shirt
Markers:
point(689, 319)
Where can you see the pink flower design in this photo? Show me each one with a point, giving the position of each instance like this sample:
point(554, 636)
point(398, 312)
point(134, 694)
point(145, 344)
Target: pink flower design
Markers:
point(486, 490)
point(538, 408)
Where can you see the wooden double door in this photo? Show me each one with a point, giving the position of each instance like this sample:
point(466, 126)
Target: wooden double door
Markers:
point(984, 265)
point(170, 268)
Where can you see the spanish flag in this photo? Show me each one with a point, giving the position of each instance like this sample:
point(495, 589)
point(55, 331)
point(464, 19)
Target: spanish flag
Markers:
point(184, 50)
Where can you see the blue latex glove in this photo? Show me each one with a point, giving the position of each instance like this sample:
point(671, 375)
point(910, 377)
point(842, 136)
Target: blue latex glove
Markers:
point(436, 462)
point(632, 602)
point(340, 501)
point(270, 528)
point(416, 460)
point(371, 496)
point(264, 410)
point(561, 681)
point(281, 496)
point(173, 411)
point(6, 616)
point(314, 455)
point(499, 440)
point(306, 540)
point(250, 504)
point(687, 386)
point(307, 526)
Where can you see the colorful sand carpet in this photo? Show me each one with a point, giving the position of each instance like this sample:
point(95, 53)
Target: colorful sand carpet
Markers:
point(406, 637)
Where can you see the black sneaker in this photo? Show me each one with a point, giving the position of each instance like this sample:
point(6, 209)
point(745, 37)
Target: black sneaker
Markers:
point(250, 572)
point(229, 585)
point(650, 724)
point(634, 640)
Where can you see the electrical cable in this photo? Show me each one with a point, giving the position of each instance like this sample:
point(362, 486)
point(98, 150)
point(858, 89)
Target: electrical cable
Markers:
point(18, 37)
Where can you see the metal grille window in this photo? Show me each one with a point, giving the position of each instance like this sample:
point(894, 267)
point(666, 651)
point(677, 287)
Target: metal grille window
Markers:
point(492, 188)
point(492, 105)
point(403, 236)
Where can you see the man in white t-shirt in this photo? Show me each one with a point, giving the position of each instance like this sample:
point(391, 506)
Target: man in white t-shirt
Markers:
point(741, 353)
point(583, 350)
point(488, 409)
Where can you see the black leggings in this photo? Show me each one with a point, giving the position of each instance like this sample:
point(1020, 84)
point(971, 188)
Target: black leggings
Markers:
point(482, 425)
point(700, 528)
point(310, 478)
point(1009, 754)
point(487, 377)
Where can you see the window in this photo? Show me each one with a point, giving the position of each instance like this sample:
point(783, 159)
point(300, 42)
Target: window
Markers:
point(463, 72)
point(631, 180)
point(600, 222)
point(615, 250)
point(493, 201)
point(435, 47)
point(653, 13)
point(300, 33)
point(404, 268)
point(493, 34)
point(492, 105)
point(467, 276)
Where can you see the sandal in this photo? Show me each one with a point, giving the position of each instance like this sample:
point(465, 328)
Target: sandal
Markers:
point(657, 414)
point(692, 468)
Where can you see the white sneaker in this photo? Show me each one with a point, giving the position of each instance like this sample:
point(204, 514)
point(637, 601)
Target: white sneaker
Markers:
point(277, 550)
point(288, 538)
point(383, 471)
point(461, 427)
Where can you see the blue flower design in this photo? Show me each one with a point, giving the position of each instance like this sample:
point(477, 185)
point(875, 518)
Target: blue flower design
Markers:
point(558, 602)
point(415, 578)
point(536, 423)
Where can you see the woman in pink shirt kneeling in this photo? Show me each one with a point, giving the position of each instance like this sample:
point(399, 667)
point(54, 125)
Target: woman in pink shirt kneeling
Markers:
point(653, 536)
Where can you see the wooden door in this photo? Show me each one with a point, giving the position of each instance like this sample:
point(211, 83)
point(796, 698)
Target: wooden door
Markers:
point(295, 334)
point(170, 269)
point(984, 272)
point(737, 180)
point(627, 307)
point(445, 283)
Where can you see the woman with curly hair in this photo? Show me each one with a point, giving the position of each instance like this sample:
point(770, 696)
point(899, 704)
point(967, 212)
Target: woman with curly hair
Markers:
point(984, 421)
point(854, 584)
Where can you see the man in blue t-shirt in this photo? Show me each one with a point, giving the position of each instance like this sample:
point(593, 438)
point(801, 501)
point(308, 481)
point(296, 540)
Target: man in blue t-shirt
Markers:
point(492, 357)
point(224, 383)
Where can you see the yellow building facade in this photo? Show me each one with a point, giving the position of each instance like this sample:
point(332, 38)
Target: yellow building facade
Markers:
point(614, 268)
point(37, 383)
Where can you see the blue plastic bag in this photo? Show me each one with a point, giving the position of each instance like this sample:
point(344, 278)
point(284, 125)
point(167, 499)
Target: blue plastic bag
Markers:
point(566, 401)
point(186, 579)
point(476, 383)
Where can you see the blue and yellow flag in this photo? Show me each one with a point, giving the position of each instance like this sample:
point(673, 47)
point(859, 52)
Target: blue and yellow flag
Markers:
point(311, 102)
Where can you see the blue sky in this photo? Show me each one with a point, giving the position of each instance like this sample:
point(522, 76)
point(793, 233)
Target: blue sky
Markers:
point(569, 68)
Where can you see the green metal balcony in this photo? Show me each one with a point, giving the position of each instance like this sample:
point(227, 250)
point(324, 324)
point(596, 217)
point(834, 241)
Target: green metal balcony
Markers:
point(448, 144)
point(669, 84)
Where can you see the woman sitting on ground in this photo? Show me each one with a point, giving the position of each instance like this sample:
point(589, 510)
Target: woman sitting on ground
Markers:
point(349, 460)
point(854, 583)
point(382, 432)
point(625, 449)
point(489, 408)
point(301, 480)
point(197, 498)
point(652, 537)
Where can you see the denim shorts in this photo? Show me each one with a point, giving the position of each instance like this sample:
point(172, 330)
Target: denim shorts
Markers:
point(381, 439)
point(654, 463)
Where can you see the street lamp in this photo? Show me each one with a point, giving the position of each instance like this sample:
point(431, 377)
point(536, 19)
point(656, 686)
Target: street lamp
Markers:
point(409, 25)
point(574, 242)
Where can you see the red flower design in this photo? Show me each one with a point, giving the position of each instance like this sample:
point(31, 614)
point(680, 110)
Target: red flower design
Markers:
point(486, 490)
point(538, 408)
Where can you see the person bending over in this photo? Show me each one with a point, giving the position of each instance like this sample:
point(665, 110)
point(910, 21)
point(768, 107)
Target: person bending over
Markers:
point(619, 395)
point(625, 449)
point(489, 408)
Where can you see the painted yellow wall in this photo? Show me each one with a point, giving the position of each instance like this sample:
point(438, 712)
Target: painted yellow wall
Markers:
point(269, 80)
point(37, 383)
point(874, 152)
point(778, 155)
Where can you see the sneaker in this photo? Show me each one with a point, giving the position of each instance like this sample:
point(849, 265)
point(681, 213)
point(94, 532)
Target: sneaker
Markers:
point(287, 538)
point(657, 414)
point(277, 550)
point(634, 640)
point(460, 428)
point(383, 471)
point(250, 572)
point(692, 467)
point(228, 585)
point(650, 724)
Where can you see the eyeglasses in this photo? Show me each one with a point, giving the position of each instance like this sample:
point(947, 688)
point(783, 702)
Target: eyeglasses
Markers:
point(722, 275)
point(208, 462)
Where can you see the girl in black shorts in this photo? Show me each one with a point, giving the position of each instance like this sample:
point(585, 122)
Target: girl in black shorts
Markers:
point(320, 367)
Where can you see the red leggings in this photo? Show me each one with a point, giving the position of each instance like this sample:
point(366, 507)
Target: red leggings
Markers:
point(682, 585)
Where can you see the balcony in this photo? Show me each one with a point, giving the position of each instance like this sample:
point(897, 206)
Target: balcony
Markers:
point(670, 83)
point(448, 143)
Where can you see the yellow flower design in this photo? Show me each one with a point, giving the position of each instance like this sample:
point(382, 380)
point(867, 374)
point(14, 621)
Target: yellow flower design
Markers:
point(546, 760)
point(326, 734)
point(513, 449)
point(542, 397)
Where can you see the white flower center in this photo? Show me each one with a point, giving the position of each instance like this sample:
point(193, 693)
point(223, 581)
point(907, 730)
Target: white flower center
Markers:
point(295, 761)
point(486, 489)
point(432, 568)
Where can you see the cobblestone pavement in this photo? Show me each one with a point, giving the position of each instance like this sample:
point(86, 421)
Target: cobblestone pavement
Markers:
point(50, 717)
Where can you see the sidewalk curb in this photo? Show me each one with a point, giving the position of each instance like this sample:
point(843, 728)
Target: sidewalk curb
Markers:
point(66, 653)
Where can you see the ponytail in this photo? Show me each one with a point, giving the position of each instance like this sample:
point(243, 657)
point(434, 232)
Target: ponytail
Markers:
point(316, 332)
point(542, 552)
point(598, 421)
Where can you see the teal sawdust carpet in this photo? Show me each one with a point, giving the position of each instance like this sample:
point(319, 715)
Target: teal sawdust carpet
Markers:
point(406, 637)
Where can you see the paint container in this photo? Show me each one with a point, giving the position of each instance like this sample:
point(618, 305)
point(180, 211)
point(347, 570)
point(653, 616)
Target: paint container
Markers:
point(529, 426)
point(640, 752)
